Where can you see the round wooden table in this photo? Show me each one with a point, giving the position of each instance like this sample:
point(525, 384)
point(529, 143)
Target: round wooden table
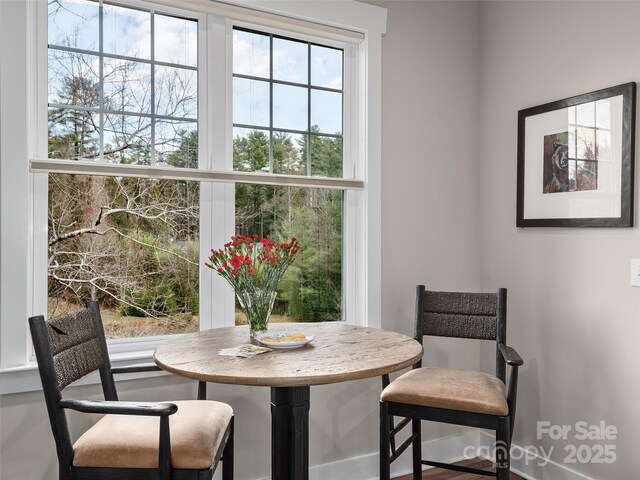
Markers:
point(339, 352)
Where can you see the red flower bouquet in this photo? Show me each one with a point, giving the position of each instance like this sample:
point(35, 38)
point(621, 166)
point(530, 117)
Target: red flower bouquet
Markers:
point(254, 268)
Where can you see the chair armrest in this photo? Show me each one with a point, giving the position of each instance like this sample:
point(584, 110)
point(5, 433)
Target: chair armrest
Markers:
point(510, 356)
point(120, 408)
point(140, 367)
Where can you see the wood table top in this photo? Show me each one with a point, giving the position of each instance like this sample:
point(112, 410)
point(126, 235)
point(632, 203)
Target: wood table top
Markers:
point(339, 352)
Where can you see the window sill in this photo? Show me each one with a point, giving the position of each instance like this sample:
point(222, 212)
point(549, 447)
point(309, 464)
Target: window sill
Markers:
point(26, 378)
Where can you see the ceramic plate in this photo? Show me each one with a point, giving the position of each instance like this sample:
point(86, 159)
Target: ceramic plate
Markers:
point(284, 339)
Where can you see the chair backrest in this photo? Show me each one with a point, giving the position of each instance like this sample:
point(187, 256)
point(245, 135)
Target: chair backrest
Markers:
point(67, 348)
point(481, 316)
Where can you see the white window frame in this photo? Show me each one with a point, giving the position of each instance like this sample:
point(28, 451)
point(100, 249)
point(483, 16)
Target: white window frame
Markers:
point(23, 234)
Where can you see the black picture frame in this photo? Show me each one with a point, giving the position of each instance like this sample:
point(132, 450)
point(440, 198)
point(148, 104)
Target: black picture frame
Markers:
point(578, 173)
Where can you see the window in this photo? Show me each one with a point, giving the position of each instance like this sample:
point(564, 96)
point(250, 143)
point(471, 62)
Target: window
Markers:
point(287, 119)
point(138, 123)
point(122, 88)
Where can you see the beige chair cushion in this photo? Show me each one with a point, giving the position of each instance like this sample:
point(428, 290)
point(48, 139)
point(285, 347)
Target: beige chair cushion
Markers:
point(463, 390)
point(196, 431)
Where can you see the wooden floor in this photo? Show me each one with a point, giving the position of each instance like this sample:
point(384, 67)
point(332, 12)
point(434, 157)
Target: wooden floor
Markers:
point(440, 474)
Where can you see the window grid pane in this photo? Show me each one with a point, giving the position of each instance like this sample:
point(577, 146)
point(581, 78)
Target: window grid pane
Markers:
point(140, 260)
point(274, 90)
point(114, 72)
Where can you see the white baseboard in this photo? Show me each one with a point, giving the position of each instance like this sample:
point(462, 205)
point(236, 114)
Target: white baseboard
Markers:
point(449, 449)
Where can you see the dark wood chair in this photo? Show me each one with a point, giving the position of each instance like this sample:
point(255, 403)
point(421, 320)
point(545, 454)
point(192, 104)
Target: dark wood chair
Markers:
point(182, 440)
point(459, 397)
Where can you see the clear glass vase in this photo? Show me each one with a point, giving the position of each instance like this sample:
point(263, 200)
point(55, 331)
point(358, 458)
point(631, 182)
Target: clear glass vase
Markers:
point(257, 306)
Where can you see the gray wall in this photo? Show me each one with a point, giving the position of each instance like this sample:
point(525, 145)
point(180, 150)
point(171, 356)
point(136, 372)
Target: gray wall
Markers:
point(430, 114)
point(572, 313)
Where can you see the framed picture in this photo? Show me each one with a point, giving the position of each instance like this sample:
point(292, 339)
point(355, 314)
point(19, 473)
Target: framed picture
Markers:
point(576, 161)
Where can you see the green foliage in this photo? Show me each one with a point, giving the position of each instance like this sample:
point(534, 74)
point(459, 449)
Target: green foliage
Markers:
point(311, 290)
point(72, 133)
point(251, 154)
point(314, 288)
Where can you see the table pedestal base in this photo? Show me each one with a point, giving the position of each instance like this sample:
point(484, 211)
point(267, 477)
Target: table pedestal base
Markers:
point(290, 433)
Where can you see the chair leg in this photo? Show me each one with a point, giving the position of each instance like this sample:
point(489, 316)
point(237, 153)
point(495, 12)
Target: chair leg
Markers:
point(227, 455)
point(385, 434)
point(164, 460)
point(416, 428)
point(63, 472)
point(202, 390)
point(503, 443)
